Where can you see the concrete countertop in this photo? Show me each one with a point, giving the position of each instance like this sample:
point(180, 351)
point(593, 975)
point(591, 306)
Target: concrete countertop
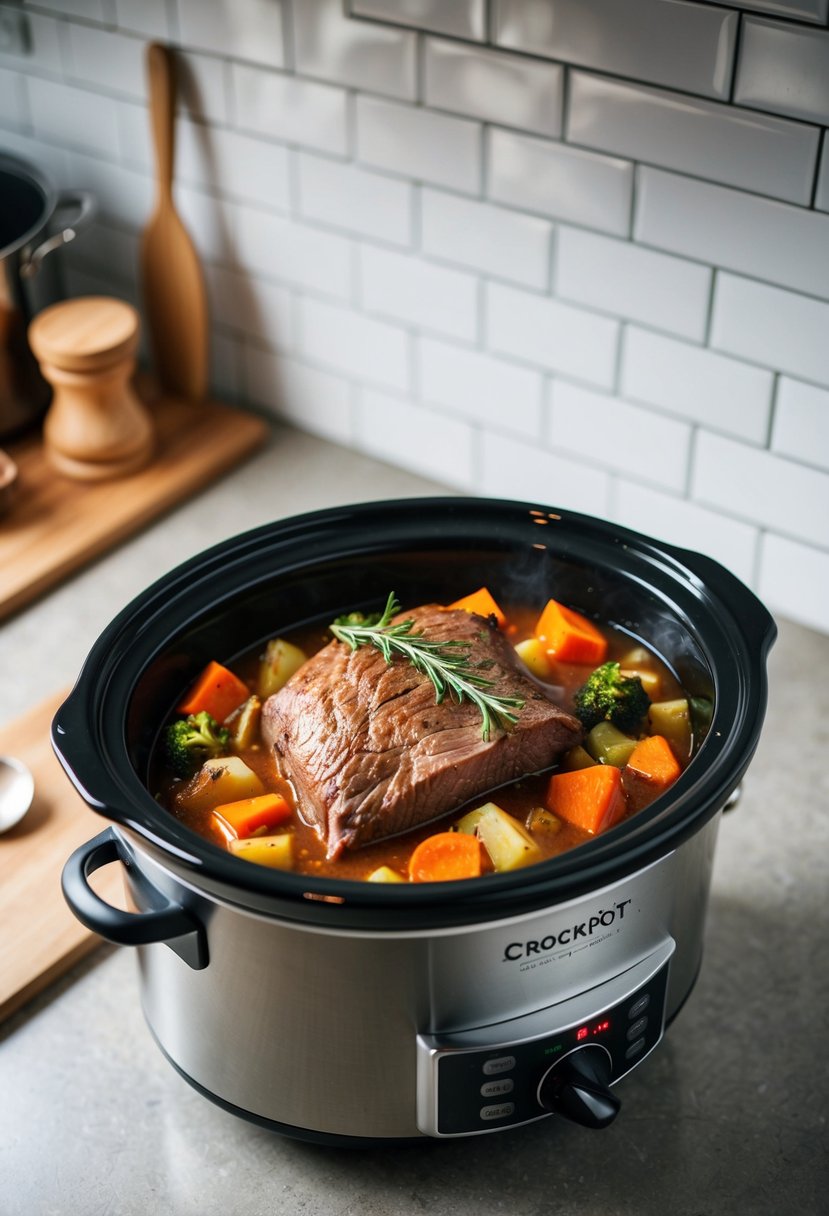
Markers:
point(727, 1116)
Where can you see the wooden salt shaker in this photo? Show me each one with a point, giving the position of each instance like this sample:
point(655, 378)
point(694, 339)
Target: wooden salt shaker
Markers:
point(96, 427)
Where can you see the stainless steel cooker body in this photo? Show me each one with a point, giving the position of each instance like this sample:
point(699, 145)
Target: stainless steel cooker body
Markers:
point(343, 1033)
point(358, 1011)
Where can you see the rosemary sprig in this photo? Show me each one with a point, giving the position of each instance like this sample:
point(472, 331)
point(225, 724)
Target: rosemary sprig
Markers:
point(446, 663)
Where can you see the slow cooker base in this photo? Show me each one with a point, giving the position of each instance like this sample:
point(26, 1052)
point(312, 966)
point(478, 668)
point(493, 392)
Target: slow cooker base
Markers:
point(330, 1139)
point(305, 1134)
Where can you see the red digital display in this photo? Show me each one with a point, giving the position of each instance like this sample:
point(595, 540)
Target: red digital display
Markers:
point(586, 1032)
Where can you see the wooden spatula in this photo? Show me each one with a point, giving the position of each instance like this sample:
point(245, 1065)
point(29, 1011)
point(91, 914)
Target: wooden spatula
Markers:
point(174, 294)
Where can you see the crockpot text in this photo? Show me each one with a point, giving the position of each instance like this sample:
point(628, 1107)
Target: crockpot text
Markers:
point(603, 918)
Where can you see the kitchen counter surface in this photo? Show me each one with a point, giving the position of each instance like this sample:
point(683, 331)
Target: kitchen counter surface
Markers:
point(729, 1115)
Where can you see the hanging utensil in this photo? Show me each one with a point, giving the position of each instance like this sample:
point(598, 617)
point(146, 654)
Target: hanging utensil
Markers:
point(174, 292)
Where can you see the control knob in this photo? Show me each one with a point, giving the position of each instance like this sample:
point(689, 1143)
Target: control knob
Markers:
point(578, 1087)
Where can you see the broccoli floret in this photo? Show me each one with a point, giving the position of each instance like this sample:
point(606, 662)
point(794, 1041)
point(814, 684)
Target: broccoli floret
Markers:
point(190, 741)
point(609, 696)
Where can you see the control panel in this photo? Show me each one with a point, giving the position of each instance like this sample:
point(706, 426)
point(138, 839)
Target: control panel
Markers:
point(561, 1059)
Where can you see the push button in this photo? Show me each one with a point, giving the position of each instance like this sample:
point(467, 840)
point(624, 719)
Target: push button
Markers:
point(502, 1110)
point(635, 1048)
point(636, 1029)
point(495, 1089)
point(500, 1064)
point(639, 1007)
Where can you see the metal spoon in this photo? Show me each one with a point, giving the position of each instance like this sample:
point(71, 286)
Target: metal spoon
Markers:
point(17, 789)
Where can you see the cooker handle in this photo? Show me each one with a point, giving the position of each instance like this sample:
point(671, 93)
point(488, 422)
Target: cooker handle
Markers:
point(166, 922)
point(755, 619)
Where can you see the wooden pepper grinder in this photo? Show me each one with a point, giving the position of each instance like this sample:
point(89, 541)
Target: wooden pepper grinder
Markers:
point(96, 427)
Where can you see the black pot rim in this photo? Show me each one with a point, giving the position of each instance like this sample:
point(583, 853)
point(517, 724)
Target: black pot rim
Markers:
point(42, 184)
point(730, 624)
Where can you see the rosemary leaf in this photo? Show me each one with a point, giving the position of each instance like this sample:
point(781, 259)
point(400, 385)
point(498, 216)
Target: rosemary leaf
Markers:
point(446, 663)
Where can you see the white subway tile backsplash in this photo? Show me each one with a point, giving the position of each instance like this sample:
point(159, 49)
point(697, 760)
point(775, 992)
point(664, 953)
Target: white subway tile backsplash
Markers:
point(489, 239)
point(237, 165)
point(44, 49)
point(437, 132)
point(245, 29)
point(106, 249)
point(686, 46)
point(801, 424)
point(418, 293)
point(88, 10)
point(560, 181)
point(124, 195)
point(304, 396)
point(698, 385)
point(51, 160)
point(367, 349)
point(419, 144)
point(105, 59)
point(457, 18)
point(738, 147)
point(136, 141)
point(285, 107)
point(73, 117)
point(83, 281)
point(793, 580)
point(329, 45)
point(616, 276)
point(626, 438)
point(150, 18)
point(208, 219)
point(290, 252)
point(494, 86)
point(776, 328)
point(355, 199)
point(252, 306)
point(684, 523)
point(415, 438)
point(224, 356)
point(214, 158)
point(784, 68)
point(551, 335)
point(756, 236)
point(487, 391)
point(797, 10)
point(514, 468)
point(201, 83)
point(13, 107)
point(761, 487)
point(822, 188)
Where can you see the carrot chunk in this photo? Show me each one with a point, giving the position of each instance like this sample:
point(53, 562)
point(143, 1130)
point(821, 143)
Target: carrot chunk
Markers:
point(653, 759)
point(238, 820)
point(444, 856)
point(217, 691)
point(590, 798)
point(569, 636)
point(482, 602)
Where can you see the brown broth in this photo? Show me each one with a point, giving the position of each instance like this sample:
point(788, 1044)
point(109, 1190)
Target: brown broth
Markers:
point(518, 798)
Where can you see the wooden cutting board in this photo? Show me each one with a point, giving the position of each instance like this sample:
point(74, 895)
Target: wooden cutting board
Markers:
point(39, 937)
point(56, 525)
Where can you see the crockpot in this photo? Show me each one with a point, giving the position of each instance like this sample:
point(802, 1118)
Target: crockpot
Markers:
point(355, 1012)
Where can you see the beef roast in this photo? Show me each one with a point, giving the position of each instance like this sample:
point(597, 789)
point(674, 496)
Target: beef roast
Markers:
point(371, 754)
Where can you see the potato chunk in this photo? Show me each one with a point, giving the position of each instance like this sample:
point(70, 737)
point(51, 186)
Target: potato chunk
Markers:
point(222, 780)
point(274, 851)
point(508, 844)
point(279, 662)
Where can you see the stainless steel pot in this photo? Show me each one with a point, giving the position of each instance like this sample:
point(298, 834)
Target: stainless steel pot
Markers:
point(362, 1012)
point(35, 221)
